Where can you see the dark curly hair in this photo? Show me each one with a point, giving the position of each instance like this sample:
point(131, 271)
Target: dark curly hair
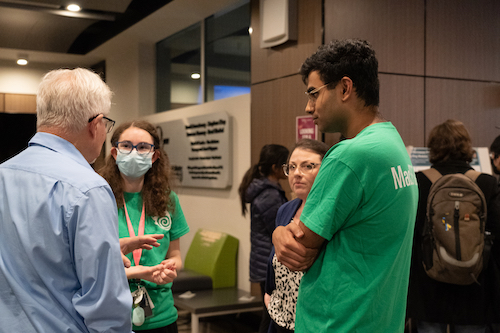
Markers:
point(450, 141)
point(353, 58)
point(157, 181)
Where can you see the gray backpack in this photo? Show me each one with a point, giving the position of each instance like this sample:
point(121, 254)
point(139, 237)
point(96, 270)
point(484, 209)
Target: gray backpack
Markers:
point(454, 230)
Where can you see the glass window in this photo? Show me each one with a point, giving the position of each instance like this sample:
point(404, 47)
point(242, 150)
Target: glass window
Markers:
point(178, 57)
point(227, 54)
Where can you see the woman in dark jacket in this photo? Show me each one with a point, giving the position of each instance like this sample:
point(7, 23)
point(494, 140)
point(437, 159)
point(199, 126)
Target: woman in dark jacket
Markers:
point(260, 188)
point(434, 304)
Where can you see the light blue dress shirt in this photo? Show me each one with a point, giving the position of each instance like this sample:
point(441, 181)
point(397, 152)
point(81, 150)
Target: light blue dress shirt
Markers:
point(60, 263)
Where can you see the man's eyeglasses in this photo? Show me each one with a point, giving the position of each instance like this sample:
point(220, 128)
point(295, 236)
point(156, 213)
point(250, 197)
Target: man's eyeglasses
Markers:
point(305, 168)
point(110, 123)
point(313, 94)
point(126, 147)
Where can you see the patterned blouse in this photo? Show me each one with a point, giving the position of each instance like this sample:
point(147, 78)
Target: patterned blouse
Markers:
point(283, 301)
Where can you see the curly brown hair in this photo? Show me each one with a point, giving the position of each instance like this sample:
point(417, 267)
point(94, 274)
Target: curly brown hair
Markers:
point(450, 141)
point(157, 181)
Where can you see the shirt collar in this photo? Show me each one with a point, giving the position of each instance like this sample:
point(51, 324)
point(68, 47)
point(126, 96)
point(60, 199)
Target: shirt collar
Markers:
point(58, 144)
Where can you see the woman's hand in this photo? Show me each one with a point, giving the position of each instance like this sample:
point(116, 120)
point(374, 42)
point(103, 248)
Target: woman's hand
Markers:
point(267, 299)
point(168, 272)
point(145, 242)
point(160, 274)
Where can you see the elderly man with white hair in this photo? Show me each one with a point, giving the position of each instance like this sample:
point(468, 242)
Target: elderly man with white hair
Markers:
point(60, 263)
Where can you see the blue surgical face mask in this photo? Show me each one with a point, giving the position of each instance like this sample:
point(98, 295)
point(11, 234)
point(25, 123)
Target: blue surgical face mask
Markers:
point(134, 165)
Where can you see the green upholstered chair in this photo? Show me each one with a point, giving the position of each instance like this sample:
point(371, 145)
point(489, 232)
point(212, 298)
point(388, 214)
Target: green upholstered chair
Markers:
point(214, 254)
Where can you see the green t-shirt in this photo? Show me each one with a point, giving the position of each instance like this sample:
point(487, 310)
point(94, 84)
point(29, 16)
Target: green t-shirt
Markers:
point(363, 202)
point(173, 226)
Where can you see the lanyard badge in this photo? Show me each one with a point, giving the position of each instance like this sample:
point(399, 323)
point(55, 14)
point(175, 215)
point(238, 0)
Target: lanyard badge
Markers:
point(142, 303)
point(143, 306)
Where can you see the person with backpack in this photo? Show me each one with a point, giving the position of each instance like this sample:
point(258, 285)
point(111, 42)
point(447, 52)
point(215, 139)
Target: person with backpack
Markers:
point(451, 278)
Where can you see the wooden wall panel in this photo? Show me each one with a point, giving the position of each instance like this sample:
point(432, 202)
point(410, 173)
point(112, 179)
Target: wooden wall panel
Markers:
point(402, 103)
point(2, 102)
point(395, 28)
point(463, 39)
point(476, 104)
point(275, 104)
point(437, 60)
point(284, 60)
point(19, 103)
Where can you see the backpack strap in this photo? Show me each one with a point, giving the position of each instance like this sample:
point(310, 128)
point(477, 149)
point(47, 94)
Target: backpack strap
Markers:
point(432, 174)
point(472, 174)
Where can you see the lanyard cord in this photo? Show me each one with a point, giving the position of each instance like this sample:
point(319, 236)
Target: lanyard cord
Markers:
point(136, 253)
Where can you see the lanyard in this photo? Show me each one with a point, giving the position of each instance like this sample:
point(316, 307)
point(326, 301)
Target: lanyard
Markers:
point(136, 253)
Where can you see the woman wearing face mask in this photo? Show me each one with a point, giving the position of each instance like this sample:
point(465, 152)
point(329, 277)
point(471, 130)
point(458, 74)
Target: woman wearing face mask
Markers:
point(282, 284)
point(138, 172)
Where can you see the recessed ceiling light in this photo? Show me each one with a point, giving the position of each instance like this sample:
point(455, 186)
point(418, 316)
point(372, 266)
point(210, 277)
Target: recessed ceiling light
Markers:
point(73, 8)
point(22, 62)
point(195, 76)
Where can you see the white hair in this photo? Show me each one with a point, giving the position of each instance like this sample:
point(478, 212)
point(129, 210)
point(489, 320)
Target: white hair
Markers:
point(68, 98)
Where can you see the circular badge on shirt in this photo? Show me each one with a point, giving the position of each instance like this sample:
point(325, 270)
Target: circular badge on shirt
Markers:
point(164, 222)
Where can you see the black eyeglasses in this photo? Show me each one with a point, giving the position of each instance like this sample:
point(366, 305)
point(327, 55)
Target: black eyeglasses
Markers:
point(305, 168)
point(126, 147)
point(110, 123)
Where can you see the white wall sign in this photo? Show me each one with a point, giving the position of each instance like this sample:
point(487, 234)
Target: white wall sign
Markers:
point(199, 149)
point(420, 159)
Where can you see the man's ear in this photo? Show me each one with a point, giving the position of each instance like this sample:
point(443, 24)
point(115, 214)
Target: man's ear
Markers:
point(347, 87)
point(92, 126)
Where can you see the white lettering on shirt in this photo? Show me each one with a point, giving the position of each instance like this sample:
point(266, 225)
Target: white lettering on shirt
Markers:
point(403, 178)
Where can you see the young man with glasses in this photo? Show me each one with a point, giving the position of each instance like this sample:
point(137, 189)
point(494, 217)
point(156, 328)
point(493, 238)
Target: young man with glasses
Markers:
point(355, 233)
point(60, 263)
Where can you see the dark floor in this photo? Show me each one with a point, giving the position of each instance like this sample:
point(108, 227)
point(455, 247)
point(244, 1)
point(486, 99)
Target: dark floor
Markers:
point(249, 323)
point(240, 323)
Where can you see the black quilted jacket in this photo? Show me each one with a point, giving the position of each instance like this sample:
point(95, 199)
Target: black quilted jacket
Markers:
point(265, 197)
